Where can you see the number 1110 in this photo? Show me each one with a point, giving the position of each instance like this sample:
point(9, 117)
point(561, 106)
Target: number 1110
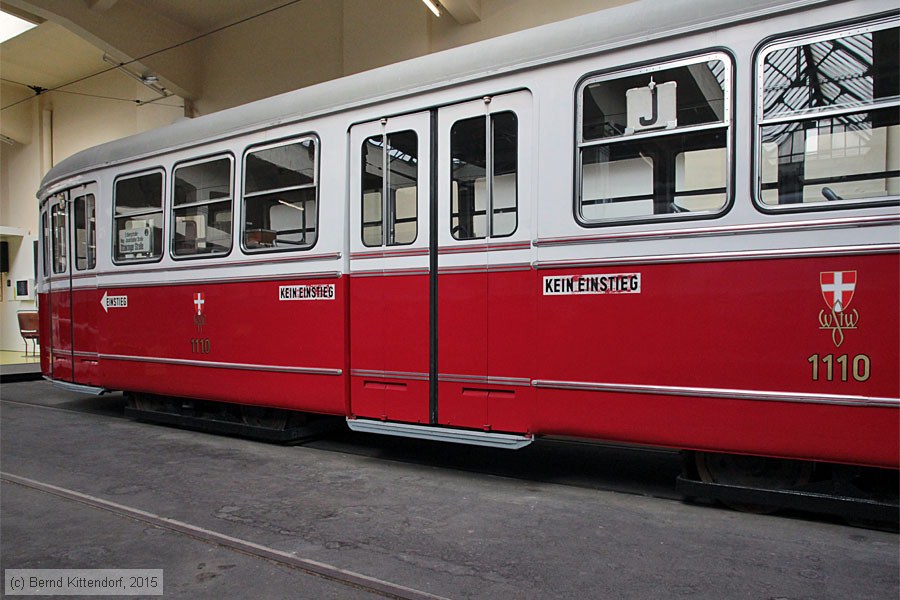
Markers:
point(860, 368)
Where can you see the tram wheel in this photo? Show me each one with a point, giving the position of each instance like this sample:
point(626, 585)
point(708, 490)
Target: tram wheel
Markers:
point(752, 471)
point(264, 416)
point(146, 402)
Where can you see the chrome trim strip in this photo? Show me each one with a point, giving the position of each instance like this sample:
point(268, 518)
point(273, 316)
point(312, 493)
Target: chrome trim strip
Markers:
point(442, 434)
point(388, 374)
point(75, 288)
point(389, 273)
point(486, 380)
point(219, 280)
point(755, 228)
point(389, 253)
point(78, 387)
point(203, 266)
point(484, 269)
point(721, 256)
point(65, 278)
point(223, 365)
point(768, 396)
point(492, 247)
point(476, 379)
point(70, 352)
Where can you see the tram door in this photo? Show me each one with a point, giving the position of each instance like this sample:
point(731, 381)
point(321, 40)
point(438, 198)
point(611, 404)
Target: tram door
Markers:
point(389, 268)
point(73, 297)
point(486, 286)
point(60, 296)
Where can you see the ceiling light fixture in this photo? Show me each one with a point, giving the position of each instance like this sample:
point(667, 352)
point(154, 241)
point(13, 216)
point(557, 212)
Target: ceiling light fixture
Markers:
point(150, 80)
point(434, 6)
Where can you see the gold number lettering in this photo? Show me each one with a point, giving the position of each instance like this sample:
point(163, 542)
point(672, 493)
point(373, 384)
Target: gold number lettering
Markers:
point(828, 359)
point(200, 345)
point(814, 361)
point(842, 360)
point(861, 366)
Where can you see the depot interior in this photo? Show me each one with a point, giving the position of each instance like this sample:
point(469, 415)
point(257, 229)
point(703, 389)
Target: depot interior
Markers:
point(77, 73)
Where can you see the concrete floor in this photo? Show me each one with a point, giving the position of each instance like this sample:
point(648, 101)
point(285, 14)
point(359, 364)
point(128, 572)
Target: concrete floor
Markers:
point(555, 520)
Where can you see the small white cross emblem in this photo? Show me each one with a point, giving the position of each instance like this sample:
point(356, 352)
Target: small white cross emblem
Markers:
point(199, 302)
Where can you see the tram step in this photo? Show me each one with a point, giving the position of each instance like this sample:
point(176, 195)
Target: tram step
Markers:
point(442, 434)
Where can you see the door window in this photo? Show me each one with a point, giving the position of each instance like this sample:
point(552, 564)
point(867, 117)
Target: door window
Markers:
point(390, 195)
point(85, 232)
point(484, 173)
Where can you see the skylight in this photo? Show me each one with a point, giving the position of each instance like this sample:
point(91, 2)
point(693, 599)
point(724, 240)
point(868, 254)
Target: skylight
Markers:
point(11, 26)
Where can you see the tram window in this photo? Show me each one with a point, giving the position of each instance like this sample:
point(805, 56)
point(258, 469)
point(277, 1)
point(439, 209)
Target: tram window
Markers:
point(280, 197)
point(828, 118)
point(45, 239)
point(653, 143)
point(484, 171)
point(201, 208)
point(58, 224)
point(85, 232)
point(400, 189)
point(138, 217)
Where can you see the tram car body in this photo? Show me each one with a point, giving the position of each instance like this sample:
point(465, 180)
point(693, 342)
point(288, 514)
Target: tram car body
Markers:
point(672, 224)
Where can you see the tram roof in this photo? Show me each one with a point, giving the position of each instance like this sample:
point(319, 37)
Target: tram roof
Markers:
point(621, 26)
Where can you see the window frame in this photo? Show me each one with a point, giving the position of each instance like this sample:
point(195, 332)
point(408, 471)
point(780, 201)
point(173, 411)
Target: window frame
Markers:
point(59, 204)
point(90, 232)
point(388, 209)
point(489, 175)
point(172, 208)
point(114, 237)
point(46, 240)
point(317, 165)
point(727, 125)
point(794, 39)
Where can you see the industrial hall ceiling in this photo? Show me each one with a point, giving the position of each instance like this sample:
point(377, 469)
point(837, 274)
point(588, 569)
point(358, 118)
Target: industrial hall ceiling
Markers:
point(213, 54)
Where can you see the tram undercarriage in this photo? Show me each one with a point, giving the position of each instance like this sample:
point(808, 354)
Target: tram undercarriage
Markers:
point(864, 496)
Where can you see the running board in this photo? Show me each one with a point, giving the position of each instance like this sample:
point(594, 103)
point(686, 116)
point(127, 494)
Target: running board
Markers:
point(442, 434)
point(77, 387)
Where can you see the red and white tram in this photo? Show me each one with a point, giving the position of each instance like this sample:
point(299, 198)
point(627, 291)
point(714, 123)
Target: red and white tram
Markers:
point(672, 224)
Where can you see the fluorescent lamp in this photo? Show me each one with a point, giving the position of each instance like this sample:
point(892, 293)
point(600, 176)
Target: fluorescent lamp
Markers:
point(289, 205)
point(11, 26)
point(433, 6)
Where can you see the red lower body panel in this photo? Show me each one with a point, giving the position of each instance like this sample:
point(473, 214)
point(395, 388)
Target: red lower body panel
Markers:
point(848, 434)
point(744, 357)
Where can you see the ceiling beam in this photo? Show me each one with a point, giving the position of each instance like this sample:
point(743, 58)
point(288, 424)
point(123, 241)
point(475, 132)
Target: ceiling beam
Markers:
point(131, 33)
point(463, 11)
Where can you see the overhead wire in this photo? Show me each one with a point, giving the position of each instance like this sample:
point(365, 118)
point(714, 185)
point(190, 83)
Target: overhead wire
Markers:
point(148, 55)
point(42, 90)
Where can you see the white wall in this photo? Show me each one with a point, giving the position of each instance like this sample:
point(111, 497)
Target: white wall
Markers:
point(50, 128)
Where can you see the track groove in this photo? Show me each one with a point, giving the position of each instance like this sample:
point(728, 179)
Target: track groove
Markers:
point(343, 576)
